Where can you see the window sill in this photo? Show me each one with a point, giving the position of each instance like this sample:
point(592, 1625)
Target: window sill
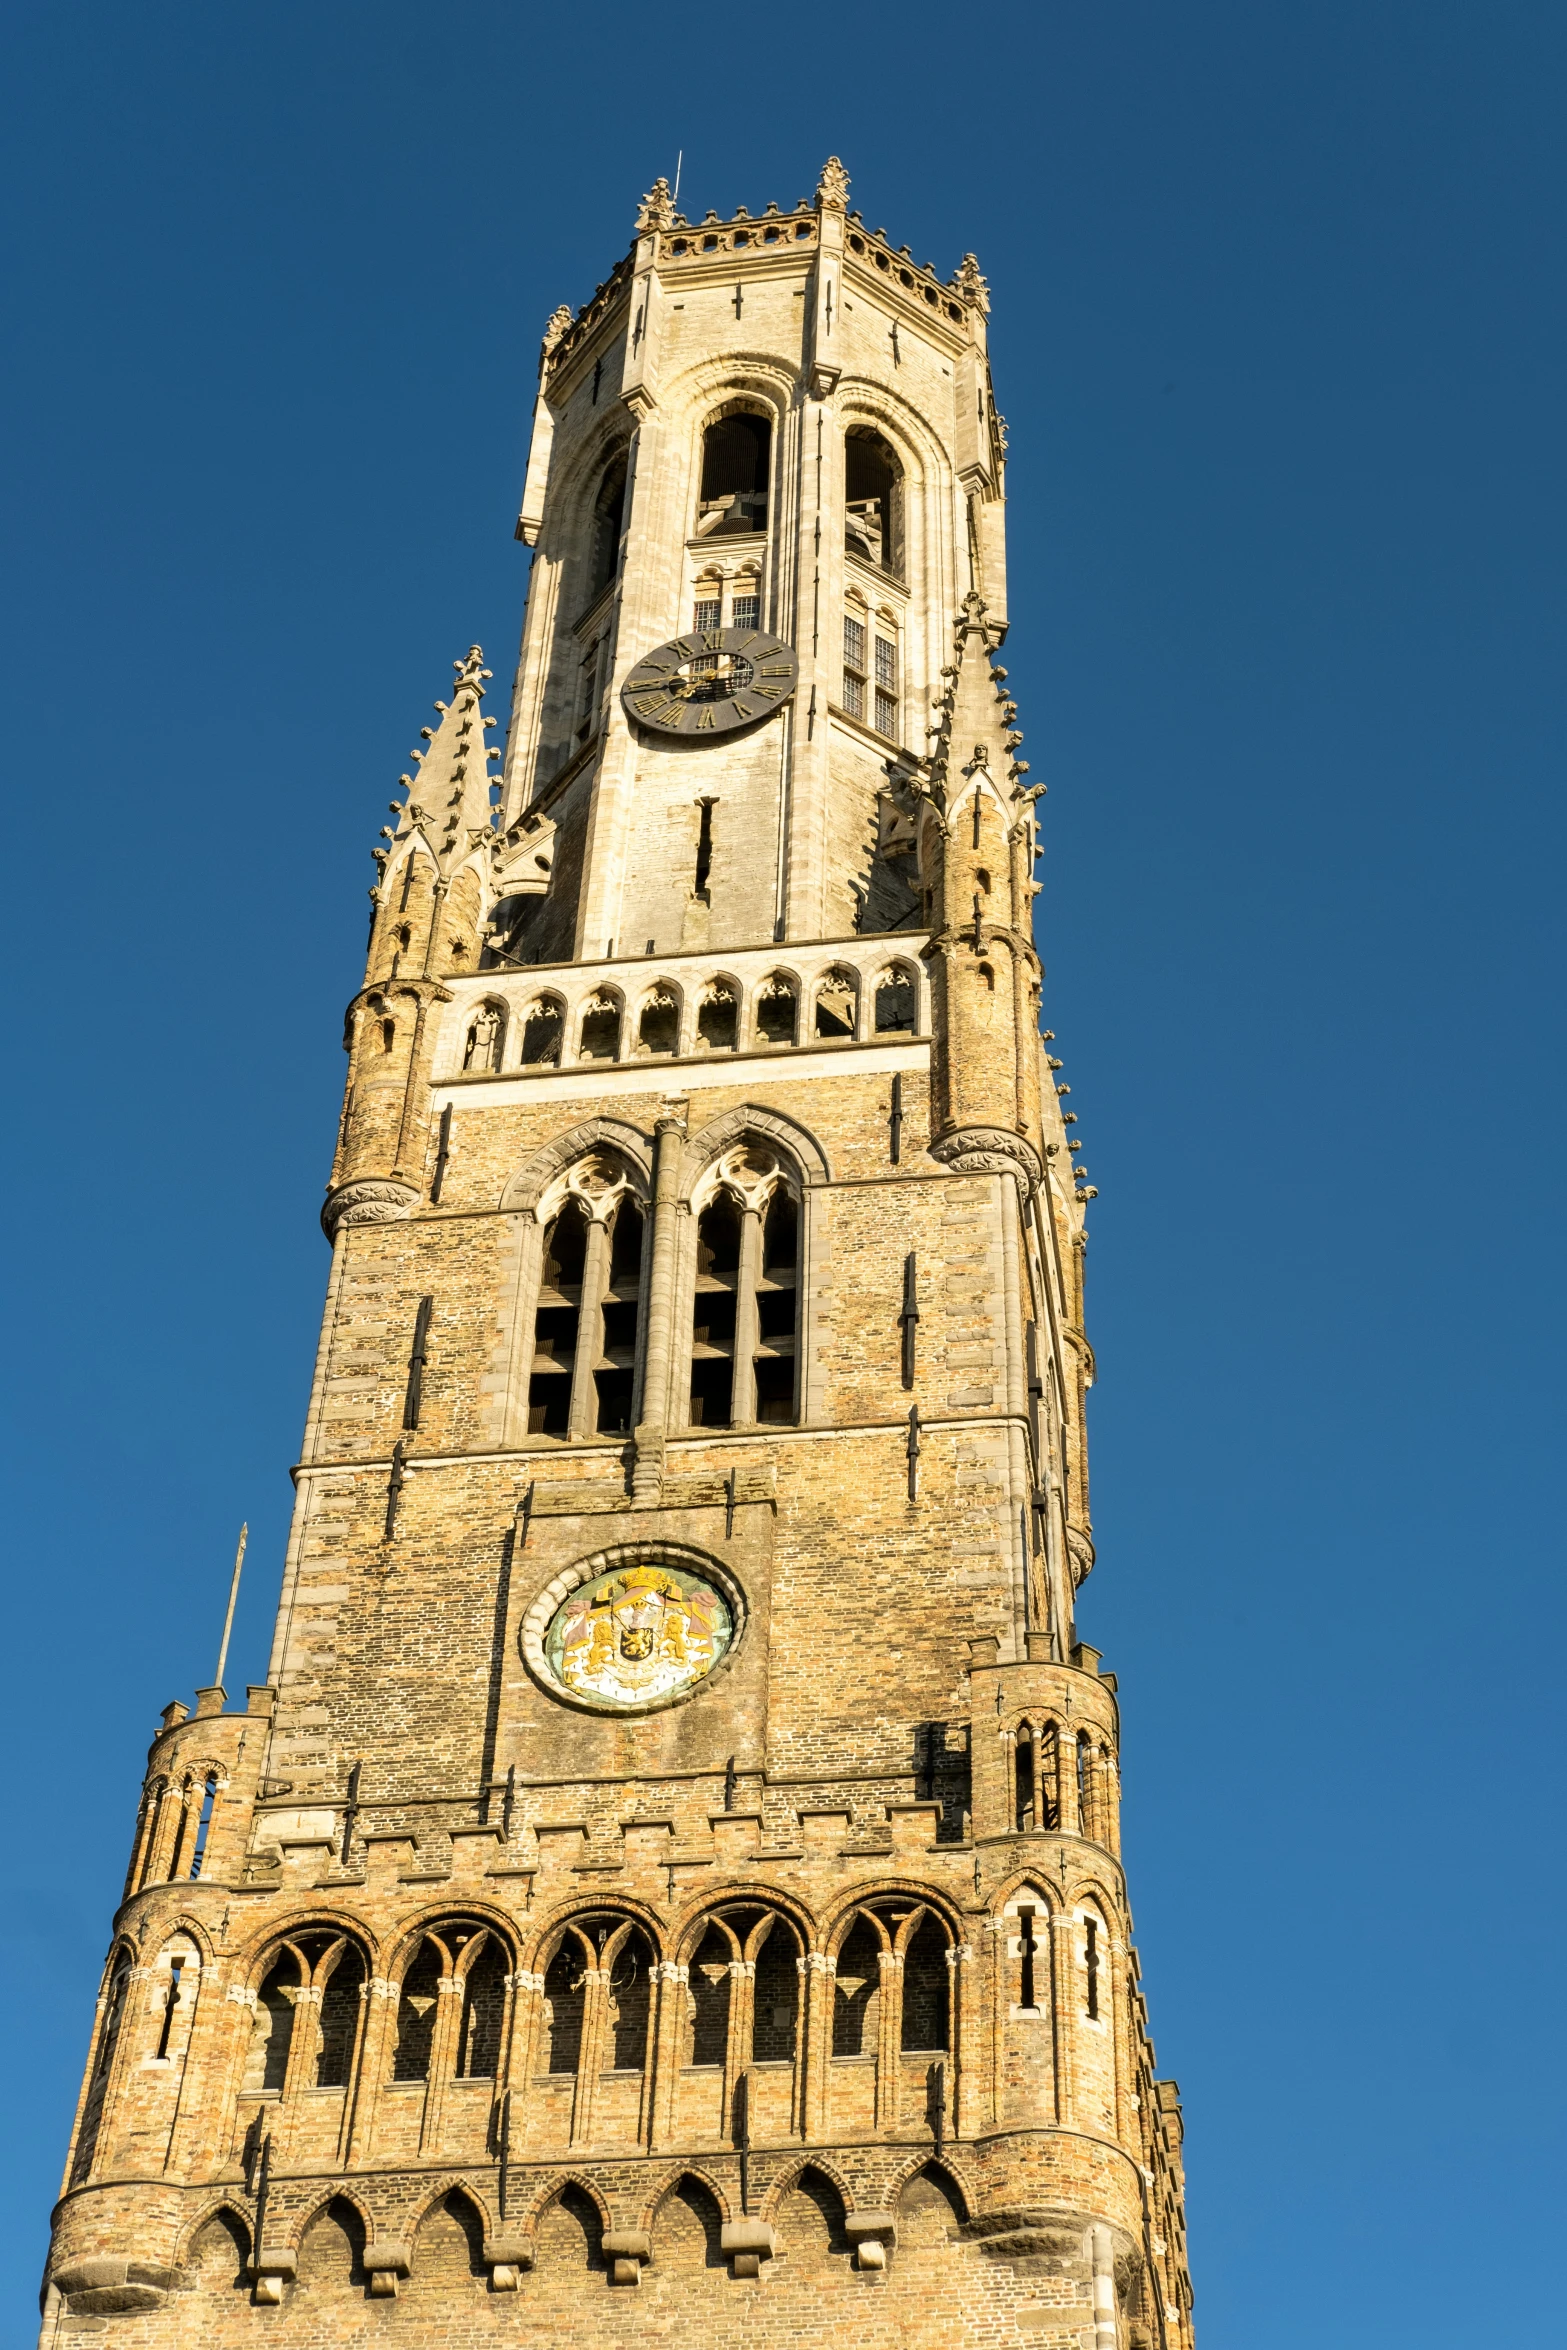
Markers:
point(871, 734)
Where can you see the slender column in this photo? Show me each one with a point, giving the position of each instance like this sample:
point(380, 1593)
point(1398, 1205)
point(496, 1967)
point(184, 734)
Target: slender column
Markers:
point(821, 1973)
point(590, 1333)
point(590, 2053)
point(889, 2038)
point(443, 2060)
point(747, 1317)
point(382, 1999)
point(669, 2026)
point(647, 1475)
point(1063, 1972)
point(737, 2046)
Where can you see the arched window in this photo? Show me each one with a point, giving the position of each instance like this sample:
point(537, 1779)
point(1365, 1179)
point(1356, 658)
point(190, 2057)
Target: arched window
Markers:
point(266, 2065)
point(777, 1010)
point(483, 2013)
point(745, 1311)
point(775, 2016)
point(857, 2003)
point(543, 1029)
point(658, 1029)
point(587, 1324)
point(600, 1037)
point(555, 1322)
point(564, 1980)
point(485, 1039)
point(897, 1003)
point(926, 1989)
point(416, 2014)
point(837, 997)
point(718, 1017)
point(609, 515)
point(873, 499)
point(711, 1985)
point(342, 2007)
point(736, 457)
point(713, 1315)
point(778, 1312)
point(630, 1986)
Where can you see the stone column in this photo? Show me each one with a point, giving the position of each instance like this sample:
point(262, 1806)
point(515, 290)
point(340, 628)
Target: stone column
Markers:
point(742, 1410)
point(590, 1333)
point(648, 1472)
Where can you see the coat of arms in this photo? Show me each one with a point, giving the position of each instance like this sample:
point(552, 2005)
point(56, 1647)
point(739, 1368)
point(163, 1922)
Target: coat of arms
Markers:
point(637, 1634)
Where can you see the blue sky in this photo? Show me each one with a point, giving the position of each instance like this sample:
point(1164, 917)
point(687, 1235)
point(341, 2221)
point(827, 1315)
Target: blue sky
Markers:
point(1278, 330)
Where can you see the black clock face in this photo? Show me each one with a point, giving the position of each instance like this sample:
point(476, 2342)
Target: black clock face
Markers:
point(710, 682)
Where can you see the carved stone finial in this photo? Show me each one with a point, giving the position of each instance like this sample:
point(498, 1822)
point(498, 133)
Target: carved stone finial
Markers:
point(832, 189)
point(657, 208)
point(555, 326)
point(971, 284)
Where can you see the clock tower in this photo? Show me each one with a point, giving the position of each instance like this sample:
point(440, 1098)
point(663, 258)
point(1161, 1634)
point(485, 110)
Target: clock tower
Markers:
point(670, 1875)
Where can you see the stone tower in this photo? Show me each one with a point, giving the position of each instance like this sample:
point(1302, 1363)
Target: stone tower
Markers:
point(670, 1875)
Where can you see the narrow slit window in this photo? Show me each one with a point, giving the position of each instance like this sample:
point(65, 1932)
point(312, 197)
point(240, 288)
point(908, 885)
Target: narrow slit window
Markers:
point(209, 1796)
point(1028, 1950)
point(171, 2002)
point(701, 886)
point(1091, 1967)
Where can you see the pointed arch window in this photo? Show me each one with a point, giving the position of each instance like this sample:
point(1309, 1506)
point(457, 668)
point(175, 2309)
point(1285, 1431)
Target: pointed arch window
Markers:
point(609, 517)
point(873, 500)
point(745, 1310)
point(736, 460)
point(588, 1319)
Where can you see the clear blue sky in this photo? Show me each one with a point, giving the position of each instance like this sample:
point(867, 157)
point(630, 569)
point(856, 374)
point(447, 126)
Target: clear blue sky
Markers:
point(1279, 331)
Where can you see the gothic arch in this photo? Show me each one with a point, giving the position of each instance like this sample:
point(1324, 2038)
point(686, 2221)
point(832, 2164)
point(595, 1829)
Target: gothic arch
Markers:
point(579, 1913)
point(673, 2178)
point(307, 2220)
point(551, 2192)
point(526, 1188)
point(789, 2179)
point(435, 2195)
point(685, 1933)
point(221, 2207)
point(795, 1140)
point(942, 2164)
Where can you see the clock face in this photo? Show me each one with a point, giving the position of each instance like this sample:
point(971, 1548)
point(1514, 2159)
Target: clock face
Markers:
point(710, 682)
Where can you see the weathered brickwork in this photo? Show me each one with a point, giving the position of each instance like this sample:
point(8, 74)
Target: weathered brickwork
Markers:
point(669, 1880)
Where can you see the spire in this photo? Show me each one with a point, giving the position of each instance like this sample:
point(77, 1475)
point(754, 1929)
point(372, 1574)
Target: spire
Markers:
point(832, 189)
point(448, 804)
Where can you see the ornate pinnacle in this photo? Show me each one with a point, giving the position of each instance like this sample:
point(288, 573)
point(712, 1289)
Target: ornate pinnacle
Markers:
point(832, 189)
point(970, 284)
point(555, 326)
point(657, 209)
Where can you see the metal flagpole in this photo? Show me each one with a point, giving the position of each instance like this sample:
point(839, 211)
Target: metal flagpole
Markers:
point(228, 1621)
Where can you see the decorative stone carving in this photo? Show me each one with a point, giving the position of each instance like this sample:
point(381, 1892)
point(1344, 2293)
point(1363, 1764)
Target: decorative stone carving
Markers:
point(987, 1150)
point(832, 189)
point(657, 209)
point(373, 1201)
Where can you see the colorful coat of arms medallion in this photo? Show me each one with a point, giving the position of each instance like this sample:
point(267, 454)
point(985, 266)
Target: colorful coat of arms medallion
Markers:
point(636, 1635)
